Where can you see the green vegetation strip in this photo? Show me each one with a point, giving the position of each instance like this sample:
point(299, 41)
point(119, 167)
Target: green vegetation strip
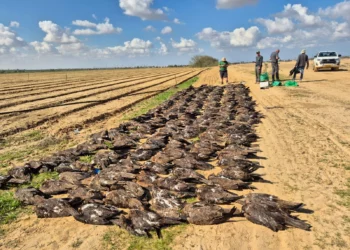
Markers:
point(9, 207)
point(117, 239)
point(145, 106)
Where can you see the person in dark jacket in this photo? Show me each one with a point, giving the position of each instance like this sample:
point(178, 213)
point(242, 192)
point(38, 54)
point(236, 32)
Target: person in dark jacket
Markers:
point(274, 64)
point(258, 66)
point(302, 61)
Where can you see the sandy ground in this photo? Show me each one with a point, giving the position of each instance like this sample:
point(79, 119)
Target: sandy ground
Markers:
point(305, 151)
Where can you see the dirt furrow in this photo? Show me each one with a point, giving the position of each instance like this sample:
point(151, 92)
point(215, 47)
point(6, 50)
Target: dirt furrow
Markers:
point(64, 93)
point(23, 121)
point(102, 112)
point(72, 97)
point(32, 87)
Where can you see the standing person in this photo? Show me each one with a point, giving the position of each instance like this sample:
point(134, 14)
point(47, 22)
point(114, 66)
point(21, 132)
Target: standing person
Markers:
point(223, 64)
point(274, 63)
point(258, 66)
point(302, 61)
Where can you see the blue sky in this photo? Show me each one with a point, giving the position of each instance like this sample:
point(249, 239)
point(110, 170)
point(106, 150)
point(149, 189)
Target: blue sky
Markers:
point(108, 33)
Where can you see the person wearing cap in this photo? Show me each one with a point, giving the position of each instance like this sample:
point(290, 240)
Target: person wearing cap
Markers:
point(302, 61)
point(258, 66)
point(274, 64)
point(223, 64)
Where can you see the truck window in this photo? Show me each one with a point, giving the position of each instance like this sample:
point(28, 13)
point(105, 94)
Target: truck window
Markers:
point(325, 54)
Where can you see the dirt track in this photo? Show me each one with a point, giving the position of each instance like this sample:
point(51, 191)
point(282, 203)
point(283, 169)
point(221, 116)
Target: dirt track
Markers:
point(305, 146)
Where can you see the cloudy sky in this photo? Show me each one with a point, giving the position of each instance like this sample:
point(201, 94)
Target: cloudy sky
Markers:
point(108, 33)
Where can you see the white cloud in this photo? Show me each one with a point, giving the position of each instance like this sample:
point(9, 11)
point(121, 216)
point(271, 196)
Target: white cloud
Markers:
point(9, 38)
point(341, 9)
point(132, 48)
point(273, 42)
point(300, 13)
point(142, 9)
point(163, 49)
point(224, 40)
point(166, 9)
point(279, 25)
point(14, 24)
point(341, 30)
point(185, 45)
point(219, 40)
point(244, 38)
point(73, 49)
point(229, 4)
point(177, 21)
point(42, 47)
point(55, 33)
point(158, 38)
point(99, 28)
point(84, 23)
point(166, 30)
point(150, 28)
point(94, 16)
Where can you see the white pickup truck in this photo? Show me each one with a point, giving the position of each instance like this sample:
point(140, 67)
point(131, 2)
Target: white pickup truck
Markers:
point(326, 60)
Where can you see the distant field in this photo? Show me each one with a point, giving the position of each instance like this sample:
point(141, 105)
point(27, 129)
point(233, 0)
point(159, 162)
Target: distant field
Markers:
point(73, 98)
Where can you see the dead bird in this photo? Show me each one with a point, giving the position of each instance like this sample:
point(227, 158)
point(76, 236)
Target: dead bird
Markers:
point(96, 214)
point(173, 184)
point(123, 199)
point(191, 131)
point(216, 195)
point(107, 178)
point(188, 175)
point(53, 208)
point(52, 187)
point(156, 141)
point(146, 178)
point(229, 184)
point(22, 173)
point(85, 194)
point(204, 150)
point(73, 178)
point(272, 216)
point(127, 165)
point(142, 154)
point(166, 204)
point(267, 198)
point(238, 174)
point(3, 180)
point(123, 141)
point(236, 152)
point(190, 162)
point(67, 167)
point(156, 167)
point(30, 196)
point(146, 221)
point(106, 157)
point(244, 165)
point(200, 213)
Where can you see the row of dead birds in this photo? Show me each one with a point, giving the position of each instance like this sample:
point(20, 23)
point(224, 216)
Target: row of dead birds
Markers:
point(148, 166)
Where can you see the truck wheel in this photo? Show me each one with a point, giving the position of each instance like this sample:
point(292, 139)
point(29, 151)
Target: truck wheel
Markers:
point(333, 69)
